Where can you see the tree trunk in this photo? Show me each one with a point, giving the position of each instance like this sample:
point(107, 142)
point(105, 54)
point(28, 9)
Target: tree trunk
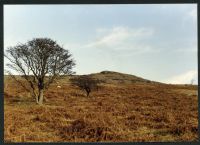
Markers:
point(88, 93)
point(40, 97)
point(36, 98)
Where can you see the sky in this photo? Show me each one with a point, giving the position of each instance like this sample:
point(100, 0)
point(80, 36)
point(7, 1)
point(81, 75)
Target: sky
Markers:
point(154, 41)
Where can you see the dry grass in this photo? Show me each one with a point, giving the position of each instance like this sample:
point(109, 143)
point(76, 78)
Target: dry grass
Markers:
point(127, 112)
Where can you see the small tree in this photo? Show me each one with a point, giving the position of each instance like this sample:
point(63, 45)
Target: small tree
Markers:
point(39, 62)
point(85, 83)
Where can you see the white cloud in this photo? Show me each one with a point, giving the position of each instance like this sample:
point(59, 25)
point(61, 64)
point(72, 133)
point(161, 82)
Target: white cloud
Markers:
point(193, 13)
point(122, 38)
point(184, 78)
point(190, 15)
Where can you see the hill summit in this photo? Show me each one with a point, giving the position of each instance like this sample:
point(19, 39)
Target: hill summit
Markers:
point(111, 77)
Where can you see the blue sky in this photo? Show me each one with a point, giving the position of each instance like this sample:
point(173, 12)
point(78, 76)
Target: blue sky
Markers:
point(155, 41)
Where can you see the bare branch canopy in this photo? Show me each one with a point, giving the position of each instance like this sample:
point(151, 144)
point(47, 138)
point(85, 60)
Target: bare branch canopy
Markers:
point(40, 61)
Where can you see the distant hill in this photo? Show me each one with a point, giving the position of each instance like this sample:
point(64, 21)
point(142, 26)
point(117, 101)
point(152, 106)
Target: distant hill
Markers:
point(111, 77)
point(108, 77)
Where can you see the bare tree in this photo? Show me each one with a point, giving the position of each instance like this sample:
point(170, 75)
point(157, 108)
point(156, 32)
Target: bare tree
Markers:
point(39, 61)
point(86, 83)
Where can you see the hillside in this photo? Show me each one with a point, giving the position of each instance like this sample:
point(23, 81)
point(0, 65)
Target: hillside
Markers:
point(110, 77)
point(107, 77)
point(126, 108)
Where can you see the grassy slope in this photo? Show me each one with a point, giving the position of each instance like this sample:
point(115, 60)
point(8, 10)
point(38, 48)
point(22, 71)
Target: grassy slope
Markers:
point(127, 108)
